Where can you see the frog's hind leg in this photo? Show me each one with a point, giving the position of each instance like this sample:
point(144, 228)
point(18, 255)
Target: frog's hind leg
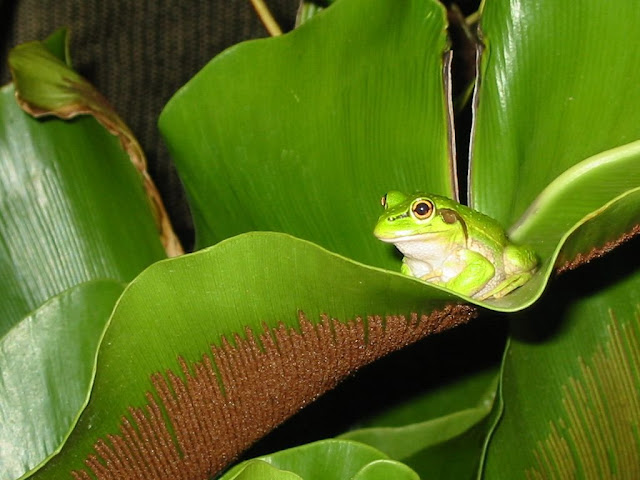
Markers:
point(477, 273)
point(508, 285)
point(520, 262)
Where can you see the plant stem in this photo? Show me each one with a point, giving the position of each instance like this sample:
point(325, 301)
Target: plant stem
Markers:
point(266, 18)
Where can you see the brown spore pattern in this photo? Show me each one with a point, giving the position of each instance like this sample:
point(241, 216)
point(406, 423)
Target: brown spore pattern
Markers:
point(196, 423)
point(596, 252)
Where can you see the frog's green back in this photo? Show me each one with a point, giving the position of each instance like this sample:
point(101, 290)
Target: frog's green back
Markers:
point(479, 226)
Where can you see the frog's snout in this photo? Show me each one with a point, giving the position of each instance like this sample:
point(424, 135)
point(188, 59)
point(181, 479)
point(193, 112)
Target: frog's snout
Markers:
point(382, 230)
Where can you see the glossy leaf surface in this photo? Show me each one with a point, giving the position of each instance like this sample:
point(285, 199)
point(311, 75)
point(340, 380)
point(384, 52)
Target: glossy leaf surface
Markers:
point(456, 395)
point(581, 190)
point(72, 209)
point(261, 470)
point(46, 85)
point(309, 154)
point(553, 146)
point(563, 198)
point(556, 88)
point(47, 363)
point(593, 237)
point(556, 158)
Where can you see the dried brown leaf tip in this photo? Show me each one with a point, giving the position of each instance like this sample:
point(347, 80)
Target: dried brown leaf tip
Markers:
point(197, 422)
point(45, 85)
point(596, 252)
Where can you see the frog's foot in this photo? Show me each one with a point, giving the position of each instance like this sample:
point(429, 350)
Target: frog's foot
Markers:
point(404, 269)
point(508, 285)
point(430, 276)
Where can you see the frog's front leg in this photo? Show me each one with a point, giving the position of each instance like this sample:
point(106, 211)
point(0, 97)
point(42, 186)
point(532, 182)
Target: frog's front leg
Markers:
point(477, 271)
point(418, 269)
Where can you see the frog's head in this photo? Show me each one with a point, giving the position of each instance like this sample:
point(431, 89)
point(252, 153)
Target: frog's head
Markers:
point(406, 217)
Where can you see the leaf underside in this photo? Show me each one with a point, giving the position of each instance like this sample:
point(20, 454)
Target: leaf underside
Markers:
point(276, 365)
point(601, 408)
point(214, 390)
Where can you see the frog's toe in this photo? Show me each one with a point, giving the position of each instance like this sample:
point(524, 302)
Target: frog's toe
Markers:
point(406, 270)
point(507, 286)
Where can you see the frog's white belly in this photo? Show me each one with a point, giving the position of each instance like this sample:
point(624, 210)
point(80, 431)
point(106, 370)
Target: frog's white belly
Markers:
point(427, 257)
point(438, 260)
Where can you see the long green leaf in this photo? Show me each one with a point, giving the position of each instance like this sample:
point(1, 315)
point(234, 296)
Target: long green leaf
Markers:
point(596, 233)
point(560, 161)
point(581, 190)
point(46, 85)
point(303, 133)
point(73, 213)
point(258, 152)
point(169, 317)
point(620, 219)
point(403, 442)
point(555, 89)
point(458, 394)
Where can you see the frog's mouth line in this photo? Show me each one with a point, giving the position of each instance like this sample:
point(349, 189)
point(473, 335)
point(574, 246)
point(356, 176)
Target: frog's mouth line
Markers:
point(398, 217)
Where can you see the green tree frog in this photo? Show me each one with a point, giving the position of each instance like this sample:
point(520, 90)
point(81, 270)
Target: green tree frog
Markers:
point(454, 246)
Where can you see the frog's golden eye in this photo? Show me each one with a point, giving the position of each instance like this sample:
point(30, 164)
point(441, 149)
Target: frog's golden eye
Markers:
point(383, 201)
point(422, 209)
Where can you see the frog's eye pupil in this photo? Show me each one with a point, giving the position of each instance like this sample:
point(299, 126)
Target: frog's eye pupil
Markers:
point(383, 201)
point(422, 209)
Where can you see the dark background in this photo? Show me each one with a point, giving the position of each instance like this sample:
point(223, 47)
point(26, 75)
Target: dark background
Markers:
point(138, 53)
